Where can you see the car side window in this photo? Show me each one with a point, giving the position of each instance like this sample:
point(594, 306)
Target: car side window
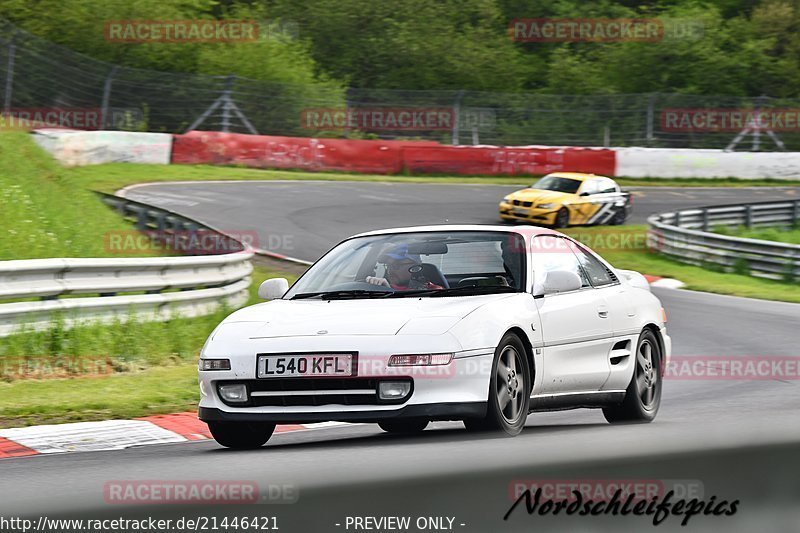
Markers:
point(590, 187)
point(550, 253)
point(606, 186)
point(597, 273)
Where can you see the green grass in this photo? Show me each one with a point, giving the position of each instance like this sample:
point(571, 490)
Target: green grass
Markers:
point(160, 390)
point(624, 247)
point(42, 211)
point(778, 234)
point(113, 176)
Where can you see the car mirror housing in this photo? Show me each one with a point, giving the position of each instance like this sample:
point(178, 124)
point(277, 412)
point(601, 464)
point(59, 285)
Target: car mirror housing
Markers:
point(273, 288)
point(558, 281)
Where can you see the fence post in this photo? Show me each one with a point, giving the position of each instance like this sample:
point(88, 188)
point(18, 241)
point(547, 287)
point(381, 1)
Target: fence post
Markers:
point(796, 213)
point(226, 106)
point(457, 115)
point(705, 219)
point(106, 97)
point(678, 219)
point(748, 215)
point(651, 104)
point(12, 50)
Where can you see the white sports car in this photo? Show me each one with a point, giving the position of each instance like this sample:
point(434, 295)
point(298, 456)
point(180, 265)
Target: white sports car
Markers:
point(401, 327)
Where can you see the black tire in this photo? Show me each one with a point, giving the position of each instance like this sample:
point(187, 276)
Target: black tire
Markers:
point(619, 217)
point(509, 418)
point(643, 396)
point(404, 426)
point(241, 435)
point(562, 218)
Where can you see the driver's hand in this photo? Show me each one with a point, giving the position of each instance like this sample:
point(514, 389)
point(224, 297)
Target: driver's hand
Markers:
point(378, 281)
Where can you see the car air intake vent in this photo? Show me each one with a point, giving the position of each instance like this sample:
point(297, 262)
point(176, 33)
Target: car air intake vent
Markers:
point(527, 204)
point(516, 202)
point(311, 392)
point(611, 275)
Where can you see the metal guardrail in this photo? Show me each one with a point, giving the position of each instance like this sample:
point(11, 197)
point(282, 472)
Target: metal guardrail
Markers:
point(164, 286)
point(685, 236)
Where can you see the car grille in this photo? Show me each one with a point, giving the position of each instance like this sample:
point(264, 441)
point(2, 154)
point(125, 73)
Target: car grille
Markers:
point(523, 204)
point(289, 392)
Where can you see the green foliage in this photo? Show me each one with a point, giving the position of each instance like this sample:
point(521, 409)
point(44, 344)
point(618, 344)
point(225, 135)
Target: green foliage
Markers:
point(745, 48)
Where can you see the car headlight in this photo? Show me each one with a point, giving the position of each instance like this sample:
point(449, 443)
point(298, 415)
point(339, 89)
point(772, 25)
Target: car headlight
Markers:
point(507, 199)
point(546, 206)
point(214, 364)
point(428, 359)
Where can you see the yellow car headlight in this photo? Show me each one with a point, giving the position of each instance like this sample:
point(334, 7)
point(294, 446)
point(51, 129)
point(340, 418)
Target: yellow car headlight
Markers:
point(546, 206)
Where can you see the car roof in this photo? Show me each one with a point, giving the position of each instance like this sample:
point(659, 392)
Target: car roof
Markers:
point(527, 231)
point(580, 176)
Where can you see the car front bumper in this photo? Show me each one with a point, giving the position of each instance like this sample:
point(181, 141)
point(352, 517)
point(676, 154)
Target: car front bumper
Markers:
point(528, 214)
point(457, 390)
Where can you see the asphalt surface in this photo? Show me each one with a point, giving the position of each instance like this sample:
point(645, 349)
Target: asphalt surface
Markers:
point(304, 219)
point(737, 439)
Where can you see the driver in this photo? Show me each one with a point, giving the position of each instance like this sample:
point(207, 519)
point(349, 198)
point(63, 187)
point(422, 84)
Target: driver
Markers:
point(399, 277)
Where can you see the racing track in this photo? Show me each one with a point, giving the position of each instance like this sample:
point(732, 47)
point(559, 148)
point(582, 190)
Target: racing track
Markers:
point(739, 438)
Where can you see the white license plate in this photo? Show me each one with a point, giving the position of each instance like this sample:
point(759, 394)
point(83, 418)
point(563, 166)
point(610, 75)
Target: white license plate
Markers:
point(520, 211)
point(318, 365)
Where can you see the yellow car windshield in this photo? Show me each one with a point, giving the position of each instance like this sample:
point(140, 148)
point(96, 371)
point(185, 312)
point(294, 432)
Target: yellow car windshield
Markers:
point(559, 184)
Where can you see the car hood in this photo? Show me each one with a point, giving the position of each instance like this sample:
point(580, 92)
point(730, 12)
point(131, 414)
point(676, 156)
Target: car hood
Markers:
point(287, 318)
point(538, 196)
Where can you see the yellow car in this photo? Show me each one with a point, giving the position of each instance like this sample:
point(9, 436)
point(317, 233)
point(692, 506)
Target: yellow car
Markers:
point(564, 199)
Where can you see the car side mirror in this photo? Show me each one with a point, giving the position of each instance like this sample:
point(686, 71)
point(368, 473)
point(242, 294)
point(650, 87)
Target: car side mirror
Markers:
point(272, 289)
point(585, 193)
point(558, 281)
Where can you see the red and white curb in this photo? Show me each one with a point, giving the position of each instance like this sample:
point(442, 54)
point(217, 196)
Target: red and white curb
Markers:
point(664, 283)
point(115, 434)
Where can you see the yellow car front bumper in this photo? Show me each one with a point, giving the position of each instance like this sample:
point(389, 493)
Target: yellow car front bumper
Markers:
point(527, 214)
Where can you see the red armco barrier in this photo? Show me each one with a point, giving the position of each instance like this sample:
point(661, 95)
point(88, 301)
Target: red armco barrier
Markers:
point(384, 157)
point(508, 160)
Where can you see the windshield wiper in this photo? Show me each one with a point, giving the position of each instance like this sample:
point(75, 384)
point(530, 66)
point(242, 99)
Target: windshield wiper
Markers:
point(455, 291)
point(355, 293)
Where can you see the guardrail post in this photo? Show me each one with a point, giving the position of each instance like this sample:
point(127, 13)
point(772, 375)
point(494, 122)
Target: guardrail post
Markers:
point(12, 48)
point(748, 215)
point(678, 218)
point(705, 219)
point(141, 220)
point(796, 213)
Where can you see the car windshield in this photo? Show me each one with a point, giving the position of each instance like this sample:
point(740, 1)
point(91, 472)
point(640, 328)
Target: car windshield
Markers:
point(557, 183)
point(424, 264)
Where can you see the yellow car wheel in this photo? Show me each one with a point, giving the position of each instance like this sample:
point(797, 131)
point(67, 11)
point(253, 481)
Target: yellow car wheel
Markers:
point(562, 218)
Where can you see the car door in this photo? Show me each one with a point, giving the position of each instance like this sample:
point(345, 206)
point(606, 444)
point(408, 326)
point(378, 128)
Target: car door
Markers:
point(584, 207)
point(576, 330)
point(621, 316)
point(607, 199)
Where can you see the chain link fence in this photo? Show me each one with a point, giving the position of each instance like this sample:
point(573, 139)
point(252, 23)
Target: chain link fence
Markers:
point(37, 74)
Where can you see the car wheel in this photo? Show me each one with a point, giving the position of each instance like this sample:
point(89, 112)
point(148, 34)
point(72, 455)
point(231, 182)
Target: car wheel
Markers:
point(241, 435)
point(509, 390)
point(643, 396)
point(562, 218)
point(619, 217)
point(404, 426)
